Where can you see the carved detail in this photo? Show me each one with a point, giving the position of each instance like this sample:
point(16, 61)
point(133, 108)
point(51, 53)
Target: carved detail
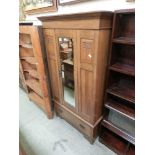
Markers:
point(87, 45)
point(86, 50)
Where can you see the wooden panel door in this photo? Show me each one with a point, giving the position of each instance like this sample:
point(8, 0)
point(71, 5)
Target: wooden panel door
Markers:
point(87, 46)
point(67, 64)
point(52, 62)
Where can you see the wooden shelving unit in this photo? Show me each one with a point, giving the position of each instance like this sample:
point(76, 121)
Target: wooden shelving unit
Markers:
point(120, 89)
point(127, 136)
point(121, 86)
point(123, 68)
point(31, 54)
point(113, 141)
point(120, 107)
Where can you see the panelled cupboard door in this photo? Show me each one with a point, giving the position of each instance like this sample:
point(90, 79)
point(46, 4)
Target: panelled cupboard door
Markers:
point(67, 66)
point(87, 45)
point(52, 63)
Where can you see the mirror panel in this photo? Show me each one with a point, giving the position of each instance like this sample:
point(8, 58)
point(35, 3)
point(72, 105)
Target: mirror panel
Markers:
point(67, 69)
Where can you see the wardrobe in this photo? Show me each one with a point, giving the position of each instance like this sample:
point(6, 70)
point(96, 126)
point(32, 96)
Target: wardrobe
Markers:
point(77, 49)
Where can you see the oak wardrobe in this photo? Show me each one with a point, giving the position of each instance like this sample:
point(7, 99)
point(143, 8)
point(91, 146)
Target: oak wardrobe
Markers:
point(77, 48)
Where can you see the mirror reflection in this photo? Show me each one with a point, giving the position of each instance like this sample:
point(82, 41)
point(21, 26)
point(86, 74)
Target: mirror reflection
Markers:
point(67, 69)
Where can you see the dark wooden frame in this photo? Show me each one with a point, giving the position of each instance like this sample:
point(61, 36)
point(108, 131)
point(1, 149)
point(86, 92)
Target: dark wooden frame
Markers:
point(120, 72)
point(44, 9)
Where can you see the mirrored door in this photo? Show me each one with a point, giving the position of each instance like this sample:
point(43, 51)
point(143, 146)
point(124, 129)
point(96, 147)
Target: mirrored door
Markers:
point(66, 56)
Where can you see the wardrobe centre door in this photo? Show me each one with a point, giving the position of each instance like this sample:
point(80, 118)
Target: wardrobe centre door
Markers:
point(87, 47)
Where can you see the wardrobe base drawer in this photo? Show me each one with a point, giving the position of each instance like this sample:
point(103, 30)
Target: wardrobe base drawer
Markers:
point(89, 132)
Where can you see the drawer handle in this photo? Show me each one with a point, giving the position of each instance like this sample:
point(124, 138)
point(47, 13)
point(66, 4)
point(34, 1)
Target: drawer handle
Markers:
point(60, 111)
point(82, 126)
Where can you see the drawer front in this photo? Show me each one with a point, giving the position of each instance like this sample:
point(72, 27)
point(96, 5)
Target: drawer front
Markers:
point(76, 122)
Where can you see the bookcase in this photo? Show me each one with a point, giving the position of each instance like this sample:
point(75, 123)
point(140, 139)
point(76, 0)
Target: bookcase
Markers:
point(33, 67)
point(117, 130)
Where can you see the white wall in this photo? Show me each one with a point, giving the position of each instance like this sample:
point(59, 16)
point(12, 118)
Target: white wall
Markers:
point(95, 5)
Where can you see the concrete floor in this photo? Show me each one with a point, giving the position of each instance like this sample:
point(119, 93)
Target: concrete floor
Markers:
point(41, 136)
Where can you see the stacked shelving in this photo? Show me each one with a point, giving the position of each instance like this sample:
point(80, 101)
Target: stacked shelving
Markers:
point(118, 125)
point(33, 67)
